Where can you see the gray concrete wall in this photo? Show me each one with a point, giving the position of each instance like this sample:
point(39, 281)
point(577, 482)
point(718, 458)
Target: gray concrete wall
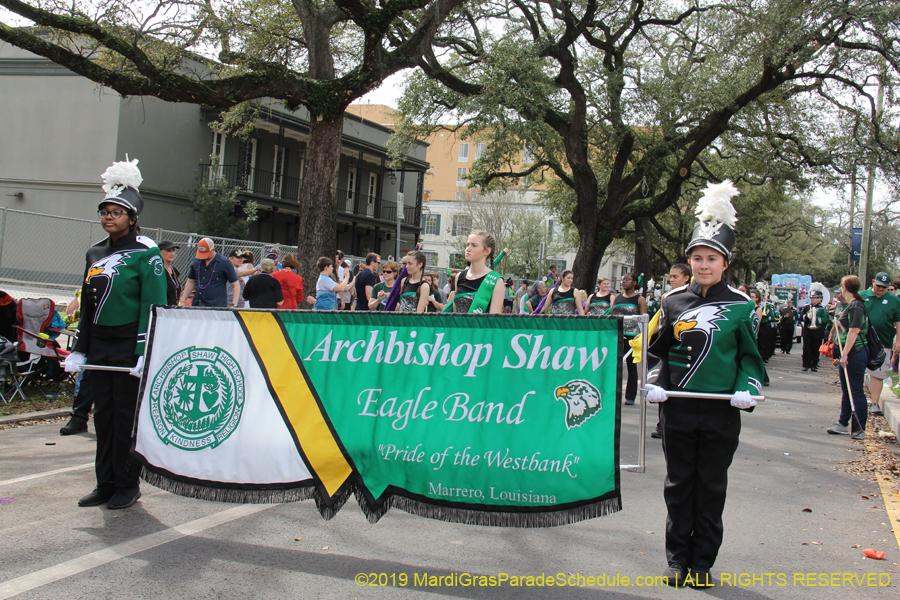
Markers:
point(59, 135)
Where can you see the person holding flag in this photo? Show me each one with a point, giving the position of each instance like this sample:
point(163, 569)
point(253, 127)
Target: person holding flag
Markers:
point(705, 345)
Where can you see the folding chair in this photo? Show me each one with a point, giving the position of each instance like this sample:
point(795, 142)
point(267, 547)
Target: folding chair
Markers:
point(14, 373)
point(35, 316)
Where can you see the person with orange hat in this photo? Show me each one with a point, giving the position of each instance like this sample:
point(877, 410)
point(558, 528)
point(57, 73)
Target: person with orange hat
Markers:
point(207, 277)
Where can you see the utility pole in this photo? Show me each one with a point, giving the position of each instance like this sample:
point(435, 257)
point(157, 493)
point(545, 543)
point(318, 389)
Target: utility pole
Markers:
point(870, 190)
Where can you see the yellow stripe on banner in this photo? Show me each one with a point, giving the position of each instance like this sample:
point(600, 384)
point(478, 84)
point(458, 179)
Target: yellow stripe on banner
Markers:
point(297, 400)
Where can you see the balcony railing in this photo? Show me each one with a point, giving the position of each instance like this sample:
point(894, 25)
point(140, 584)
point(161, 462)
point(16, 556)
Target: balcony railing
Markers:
point(261, 182)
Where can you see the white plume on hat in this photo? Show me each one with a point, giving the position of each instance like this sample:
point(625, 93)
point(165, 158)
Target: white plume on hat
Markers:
point(121, 175)
point(816, 287)
point(715, 204)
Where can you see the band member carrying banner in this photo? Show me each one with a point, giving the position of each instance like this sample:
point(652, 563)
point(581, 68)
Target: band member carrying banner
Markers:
point(479, 289)
point(706, 345)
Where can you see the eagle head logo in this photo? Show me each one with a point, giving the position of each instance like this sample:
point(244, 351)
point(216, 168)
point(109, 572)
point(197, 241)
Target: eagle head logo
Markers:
point(582, 401)
point(702, 318)
point(106, 266)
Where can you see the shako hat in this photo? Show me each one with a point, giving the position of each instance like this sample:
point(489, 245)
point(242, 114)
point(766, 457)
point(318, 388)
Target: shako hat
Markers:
point(815, 290)
point(121, 182)
point(716, 219)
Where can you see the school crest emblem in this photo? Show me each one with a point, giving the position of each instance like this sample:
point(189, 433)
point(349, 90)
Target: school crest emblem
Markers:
point(197, 398)
point(582, 401)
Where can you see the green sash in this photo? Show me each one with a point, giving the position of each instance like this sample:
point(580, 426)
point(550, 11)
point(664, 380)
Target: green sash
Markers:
point(482, 300)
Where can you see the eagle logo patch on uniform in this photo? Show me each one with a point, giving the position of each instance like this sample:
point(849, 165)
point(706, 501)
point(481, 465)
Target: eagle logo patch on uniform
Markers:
point(701, 320)
point(582, 400)
point(107, 266)
point(197, 398)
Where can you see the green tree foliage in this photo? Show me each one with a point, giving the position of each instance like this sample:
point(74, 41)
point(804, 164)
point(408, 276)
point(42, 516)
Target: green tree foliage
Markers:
point(318, 54)
point(623, 104)
point(218, 212)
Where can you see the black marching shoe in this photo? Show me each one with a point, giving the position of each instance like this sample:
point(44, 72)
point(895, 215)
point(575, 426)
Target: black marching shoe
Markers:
point(675, 575)
point(73, 426)
point(656, 433)
point(701, 578)
point(123, 498)
point(100, 495)
point(805, 369)
point(629, 401)
point(815, 369)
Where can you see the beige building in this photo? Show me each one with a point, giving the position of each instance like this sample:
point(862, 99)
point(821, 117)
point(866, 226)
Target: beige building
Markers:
point(445, 186)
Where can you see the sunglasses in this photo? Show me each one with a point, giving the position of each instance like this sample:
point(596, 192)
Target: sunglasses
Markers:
point(386, 271)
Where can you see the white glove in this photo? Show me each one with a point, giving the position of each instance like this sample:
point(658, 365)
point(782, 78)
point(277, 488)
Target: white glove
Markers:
point(742, 400)
point(138, 369)
point(74, 361)
point(656, 394)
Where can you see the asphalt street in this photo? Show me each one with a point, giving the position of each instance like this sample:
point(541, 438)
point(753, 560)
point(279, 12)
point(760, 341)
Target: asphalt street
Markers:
point(167, 546)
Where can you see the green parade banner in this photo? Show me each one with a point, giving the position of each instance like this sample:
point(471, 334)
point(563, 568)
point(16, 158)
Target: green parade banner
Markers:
point(483, 419)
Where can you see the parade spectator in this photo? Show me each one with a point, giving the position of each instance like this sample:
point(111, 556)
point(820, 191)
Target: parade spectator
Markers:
point(884, 315)
point(263, 290)
point(435, 283)
point(538, 291)
point(208, 274)
point(274, 254)
point(435, 299)
point(237, 261)
point(851, 327)
point(173, 277)
point(365, 281)
point(327, 287)
point(291, 282)
point(344, 297)
point(379, 294)
point(521, 297)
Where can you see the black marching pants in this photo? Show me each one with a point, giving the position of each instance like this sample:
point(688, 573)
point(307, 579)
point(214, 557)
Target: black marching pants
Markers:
point(787, 337)
point(115, 401)
point(812, 340)
point(700, 438)
point(81, 407)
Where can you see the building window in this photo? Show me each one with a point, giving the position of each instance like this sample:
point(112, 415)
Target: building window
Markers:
point(462, 225)
point(461, 174)
point(373, 186)
point(351, 184)
point(559, 262)
point(460, 196)
point(433, 225)
point(526, 182)
point(464, 152)
point(554, 231)
point(430, 259)
point(527, 156)
point(479, 149)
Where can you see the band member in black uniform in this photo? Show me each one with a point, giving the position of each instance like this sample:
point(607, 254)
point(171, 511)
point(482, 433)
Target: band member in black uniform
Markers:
point(814, 319)
point(705, 345)
point(600, 301)
point(629, 303)
point(414, 291)
point(564, 299)
point(478, 289)
point(124, 276)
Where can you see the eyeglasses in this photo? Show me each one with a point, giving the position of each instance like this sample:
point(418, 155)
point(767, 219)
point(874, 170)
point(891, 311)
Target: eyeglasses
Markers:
point(115, 213)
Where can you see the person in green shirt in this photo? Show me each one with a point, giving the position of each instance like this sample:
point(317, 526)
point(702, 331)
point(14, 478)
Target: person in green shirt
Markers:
point(884, 314)
point(851, 328)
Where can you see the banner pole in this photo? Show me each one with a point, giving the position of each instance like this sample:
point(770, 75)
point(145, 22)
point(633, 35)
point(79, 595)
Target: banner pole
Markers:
point(703, 395)
point(644, 321)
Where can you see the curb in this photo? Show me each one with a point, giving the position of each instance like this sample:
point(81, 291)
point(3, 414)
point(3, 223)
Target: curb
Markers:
point(36, 416)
